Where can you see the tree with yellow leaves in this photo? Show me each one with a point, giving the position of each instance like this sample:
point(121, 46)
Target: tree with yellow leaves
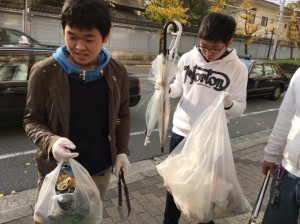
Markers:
point(218, 6)
point(165, 10)
point(221, 5)
point(293, 34)
point(250, 27)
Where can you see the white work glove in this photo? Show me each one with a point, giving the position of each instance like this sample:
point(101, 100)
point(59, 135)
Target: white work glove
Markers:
point(61, 149)
point(122, 162)
point(228, 101)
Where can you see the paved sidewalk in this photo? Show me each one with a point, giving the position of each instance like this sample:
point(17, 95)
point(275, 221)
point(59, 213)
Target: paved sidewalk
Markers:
point(147, 193)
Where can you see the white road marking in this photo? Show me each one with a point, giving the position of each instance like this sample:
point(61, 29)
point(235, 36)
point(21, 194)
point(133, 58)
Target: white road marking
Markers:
point(12, 155)
point(259, 112)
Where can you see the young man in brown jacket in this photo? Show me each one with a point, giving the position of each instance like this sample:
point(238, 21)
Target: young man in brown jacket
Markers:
point(78, 99)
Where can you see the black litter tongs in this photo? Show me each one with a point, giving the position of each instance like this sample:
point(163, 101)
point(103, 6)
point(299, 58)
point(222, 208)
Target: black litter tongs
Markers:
point(120, 207)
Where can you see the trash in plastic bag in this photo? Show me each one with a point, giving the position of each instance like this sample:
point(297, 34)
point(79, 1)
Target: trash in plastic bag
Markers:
point(200, 171)
point(69, 195)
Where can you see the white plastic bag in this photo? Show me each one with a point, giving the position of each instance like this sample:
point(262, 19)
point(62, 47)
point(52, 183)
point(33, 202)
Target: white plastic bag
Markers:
point(200, 171)
point(83, 206)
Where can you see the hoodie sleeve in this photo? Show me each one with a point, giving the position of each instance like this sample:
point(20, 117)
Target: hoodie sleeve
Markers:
point(238, 93)
point(176, 88)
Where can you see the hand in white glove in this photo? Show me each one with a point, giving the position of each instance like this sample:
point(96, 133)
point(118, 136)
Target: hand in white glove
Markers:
point(122, 162)
point(228, 101)
point(61, 149)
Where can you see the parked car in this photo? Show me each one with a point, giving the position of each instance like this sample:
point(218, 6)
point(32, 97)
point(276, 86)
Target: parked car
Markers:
point(15, 65)
point(9, 36)
point(266, 78)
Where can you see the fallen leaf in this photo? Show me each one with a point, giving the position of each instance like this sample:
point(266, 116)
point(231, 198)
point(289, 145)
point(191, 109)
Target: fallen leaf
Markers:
point(27, 164)
point(13, 192)
point(1, 195)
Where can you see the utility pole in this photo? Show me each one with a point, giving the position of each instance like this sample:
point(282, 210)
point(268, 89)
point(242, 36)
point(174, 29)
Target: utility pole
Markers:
point(270, 43)
point(25, 16)
point(278, 29)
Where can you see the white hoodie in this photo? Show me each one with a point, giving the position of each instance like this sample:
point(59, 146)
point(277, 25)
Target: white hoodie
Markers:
point(285, 136)
point(199, 82)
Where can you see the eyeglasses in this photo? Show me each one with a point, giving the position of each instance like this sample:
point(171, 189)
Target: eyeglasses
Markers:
point(204, 50)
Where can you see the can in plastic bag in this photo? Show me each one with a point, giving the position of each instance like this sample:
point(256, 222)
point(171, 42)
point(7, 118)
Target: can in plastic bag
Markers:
point(65, 187)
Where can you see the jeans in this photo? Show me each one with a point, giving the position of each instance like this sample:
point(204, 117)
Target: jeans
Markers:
point(172, 213)
point(287, 210)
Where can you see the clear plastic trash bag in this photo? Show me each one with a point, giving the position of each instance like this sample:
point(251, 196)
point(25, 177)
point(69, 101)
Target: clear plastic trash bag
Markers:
point(82, 206)
point(200, 171)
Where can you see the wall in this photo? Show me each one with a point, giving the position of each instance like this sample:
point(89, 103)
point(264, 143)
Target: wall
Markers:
point(131, 43)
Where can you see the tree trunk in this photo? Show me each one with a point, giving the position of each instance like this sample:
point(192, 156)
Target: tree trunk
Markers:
point(246, 46)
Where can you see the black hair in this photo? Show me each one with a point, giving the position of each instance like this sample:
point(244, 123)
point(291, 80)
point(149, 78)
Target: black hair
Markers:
point(217, 27)
point(86, 14)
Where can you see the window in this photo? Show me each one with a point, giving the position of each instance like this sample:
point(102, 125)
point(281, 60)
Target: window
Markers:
point(256, 72)
point(277, 69)
point(15, 66)
point(251, 14)
point(268, 70)
point(38, 56)
point(264, 21)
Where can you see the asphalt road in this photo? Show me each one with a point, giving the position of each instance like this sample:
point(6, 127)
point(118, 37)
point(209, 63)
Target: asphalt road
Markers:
point(18, 169)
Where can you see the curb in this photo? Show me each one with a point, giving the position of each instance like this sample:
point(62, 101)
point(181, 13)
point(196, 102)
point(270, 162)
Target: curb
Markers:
point(16, 206)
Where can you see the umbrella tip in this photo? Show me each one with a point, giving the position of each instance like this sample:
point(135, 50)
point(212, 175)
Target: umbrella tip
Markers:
point(146, 141)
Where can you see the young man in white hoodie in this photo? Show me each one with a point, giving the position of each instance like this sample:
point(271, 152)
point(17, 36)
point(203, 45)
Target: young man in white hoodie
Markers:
point(283, 206)
point(208, 69)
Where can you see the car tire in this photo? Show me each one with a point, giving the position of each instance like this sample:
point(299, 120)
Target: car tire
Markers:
point(276, 93)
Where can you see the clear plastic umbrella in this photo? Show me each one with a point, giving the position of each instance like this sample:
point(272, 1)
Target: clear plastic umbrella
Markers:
point(163, 70)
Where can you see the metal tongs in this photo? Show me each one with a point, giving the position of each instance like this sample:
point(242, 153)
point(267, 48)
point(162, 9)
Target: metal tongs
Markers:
point(120, 207)
point(259, 199)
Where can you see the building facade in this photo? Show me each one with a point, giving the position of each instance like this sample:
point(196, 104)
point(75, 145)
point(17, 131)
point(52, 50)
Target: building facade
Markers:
point(133, 38)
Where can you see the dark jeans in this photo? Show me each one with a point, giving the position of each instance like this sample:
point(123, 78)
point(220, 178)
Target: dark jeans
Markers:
point(172, 213)
point(287, 210)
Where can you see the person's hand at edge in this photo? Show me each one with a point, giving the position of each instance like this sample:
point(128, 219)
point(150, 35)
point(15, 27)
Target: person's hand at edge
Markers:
point(122, 162)
point(61, 149)
point(268, 166)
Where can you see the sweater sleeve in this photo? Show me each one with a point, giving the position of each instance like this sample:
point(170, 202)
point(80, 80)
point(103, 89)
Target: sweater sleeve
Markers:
point(278, 137)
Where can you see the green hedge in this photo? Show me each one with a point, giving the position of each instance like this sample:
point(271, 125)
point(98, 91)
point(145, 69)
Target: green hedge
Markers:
point(289, 66)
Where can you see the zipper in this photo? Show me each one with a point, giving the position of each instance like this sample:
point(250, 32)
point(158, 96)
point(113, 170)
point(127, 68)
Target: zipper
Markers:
point(114, 78)
point(82, 75)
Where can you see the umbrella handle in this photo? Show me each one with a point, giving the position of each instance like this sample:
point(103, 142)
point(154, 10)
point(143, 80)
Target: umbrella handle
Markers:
point(166, 27)
point(172, 51)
